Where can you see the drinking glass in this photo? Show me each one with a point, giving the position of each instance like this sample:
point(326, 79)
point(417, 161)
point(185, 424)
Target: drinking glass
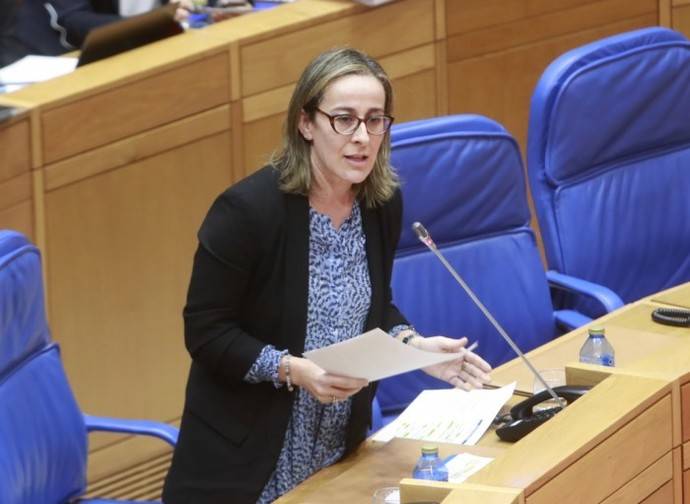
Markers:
point(387, 495)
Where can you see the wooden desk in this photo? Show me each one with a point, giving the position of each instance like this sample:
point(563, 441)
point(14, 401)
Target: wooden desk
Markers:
point(629, 329)
point(678, 296)
point(113, 167)
point(627, 440)
point(675, 14)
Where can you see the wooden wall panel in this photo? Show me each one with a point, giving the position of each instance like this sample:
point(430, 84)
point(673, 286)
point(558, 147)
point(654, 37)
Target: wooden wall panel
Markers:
point(119, 254)
point(15, 150)
point(138, 147)
point(409, 62)
point(15, 190)
point(19, 217)
point(680, 19)
point(663, 495)
point(534, 29)
point(267, 64)
point(153, 101)
point(267, 104)
point(16, 183)
point(468, 15)
point(500, 85)
point(261, 138)
point(415, 96)
point(665, 13)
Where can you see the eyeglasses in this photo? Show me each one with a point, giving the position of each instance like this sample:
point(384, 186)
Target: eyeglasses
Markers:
point(347, 124)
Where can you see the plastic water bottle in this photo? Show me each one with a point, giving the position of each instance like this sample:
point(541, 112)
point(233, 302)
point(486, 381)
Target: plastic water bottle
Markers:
point(430, 466)
point(597, 349)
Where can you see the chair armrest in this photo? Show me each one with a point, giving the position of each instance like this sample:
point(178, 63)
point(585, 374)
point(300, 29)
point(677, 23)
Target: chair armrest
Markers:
point(571, 319)
point(608, 299)
point(160, 430)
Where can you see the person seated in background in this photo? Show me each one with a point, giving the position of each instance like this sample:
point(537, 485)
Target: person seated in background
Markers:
point(54, 27)
point(9, 49)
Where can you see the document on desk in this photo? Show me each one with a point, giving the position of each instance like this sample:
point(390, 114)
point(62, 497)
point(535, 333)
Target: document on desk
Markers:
point(448, 416)
point(374, 355)
point(464, 465)
point(33, 68)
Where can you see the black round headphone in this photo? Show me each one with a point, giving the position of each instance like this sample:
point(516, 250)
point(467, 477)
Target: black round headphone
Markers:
point(672, 316)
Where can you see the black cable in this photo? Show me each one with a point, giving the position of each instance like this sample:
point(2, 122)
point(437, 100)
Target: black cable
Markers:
point(672, 316)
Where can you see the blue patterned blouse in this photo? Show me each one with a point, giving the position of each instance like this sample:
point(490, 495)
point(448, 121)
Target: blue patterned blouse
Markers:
point(338, 303)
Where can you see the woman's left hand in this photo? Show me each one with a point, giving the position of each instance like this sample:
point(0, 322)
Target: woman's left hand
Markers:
point(467, 372)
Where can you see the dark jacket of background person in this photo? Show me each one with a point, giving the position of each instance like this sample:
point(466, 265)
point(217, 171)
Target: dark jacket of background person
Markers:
point(10, 50)
point(254, 256)
point(55, 27)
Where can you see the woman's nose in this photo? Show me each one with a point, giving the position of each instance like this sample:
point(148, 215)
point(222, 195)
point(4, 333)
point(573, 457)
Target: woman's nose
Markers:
point(361, 134)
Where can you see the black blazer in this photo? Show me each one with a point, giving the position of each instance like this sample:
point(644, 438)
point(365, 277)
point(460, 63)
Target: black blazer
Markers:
point(249, 288)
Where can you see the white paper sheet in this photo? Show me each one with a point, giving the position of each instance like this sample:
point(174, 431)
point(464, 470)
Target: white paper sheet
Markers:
point(31, 69)
point(464, 465)
point(448, 416)
point(374, 355)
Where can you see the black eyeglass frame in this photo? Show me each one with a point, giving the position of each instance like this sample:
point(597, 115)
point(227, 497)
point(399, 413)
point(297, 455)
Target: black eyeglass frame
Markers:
point(360, 120)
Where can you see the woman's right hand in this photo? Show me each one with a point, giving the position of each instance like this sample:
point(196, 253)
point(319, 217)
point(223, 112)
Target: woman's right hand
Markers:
point(325, 387)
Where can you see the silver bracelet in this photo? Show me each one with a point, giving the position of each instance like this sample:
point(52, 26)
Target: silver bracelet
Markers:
point(288, 379)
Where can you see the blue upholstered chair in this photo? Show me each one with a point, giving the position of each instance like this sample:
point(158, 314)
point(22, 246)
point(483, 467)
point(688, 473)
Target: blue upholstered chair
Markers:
point(43, 434)
point(609, 162)
point(462, 177)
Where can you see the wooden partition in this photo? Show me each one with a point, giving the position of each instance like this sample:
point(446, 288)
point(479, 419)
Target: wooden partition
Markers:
point(111, 169)
point(16, 174)
point(496, 51)
point(675, 14)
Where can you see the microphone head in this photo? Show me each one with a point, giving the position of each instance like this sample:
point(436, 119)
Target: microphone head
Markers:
point(423, 235)
point(420, 231)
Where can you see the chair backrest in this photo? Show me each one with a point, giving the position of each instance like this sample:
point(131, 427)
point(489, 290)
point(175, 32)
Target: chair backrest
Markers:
point(462, 177)
point(42, 434)
point(609, 161)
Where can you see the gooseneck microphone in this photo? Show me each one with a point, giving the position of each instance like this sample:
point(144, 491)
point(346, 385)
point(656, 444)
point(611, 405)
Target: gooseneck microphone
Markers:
point(425, 238)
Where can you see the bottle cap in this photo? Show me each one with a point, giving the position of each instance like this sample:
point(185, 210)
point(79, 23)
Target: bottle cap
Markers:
point(596, 331)
point(429, 450)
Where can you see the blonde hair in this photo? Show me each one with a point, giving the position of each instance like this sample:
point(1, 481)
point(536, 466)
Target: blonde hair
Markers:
point(293, 160)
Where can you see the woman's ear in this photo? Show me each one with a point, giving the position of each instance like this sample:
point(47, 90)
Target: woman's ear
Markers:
point(305, 126)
